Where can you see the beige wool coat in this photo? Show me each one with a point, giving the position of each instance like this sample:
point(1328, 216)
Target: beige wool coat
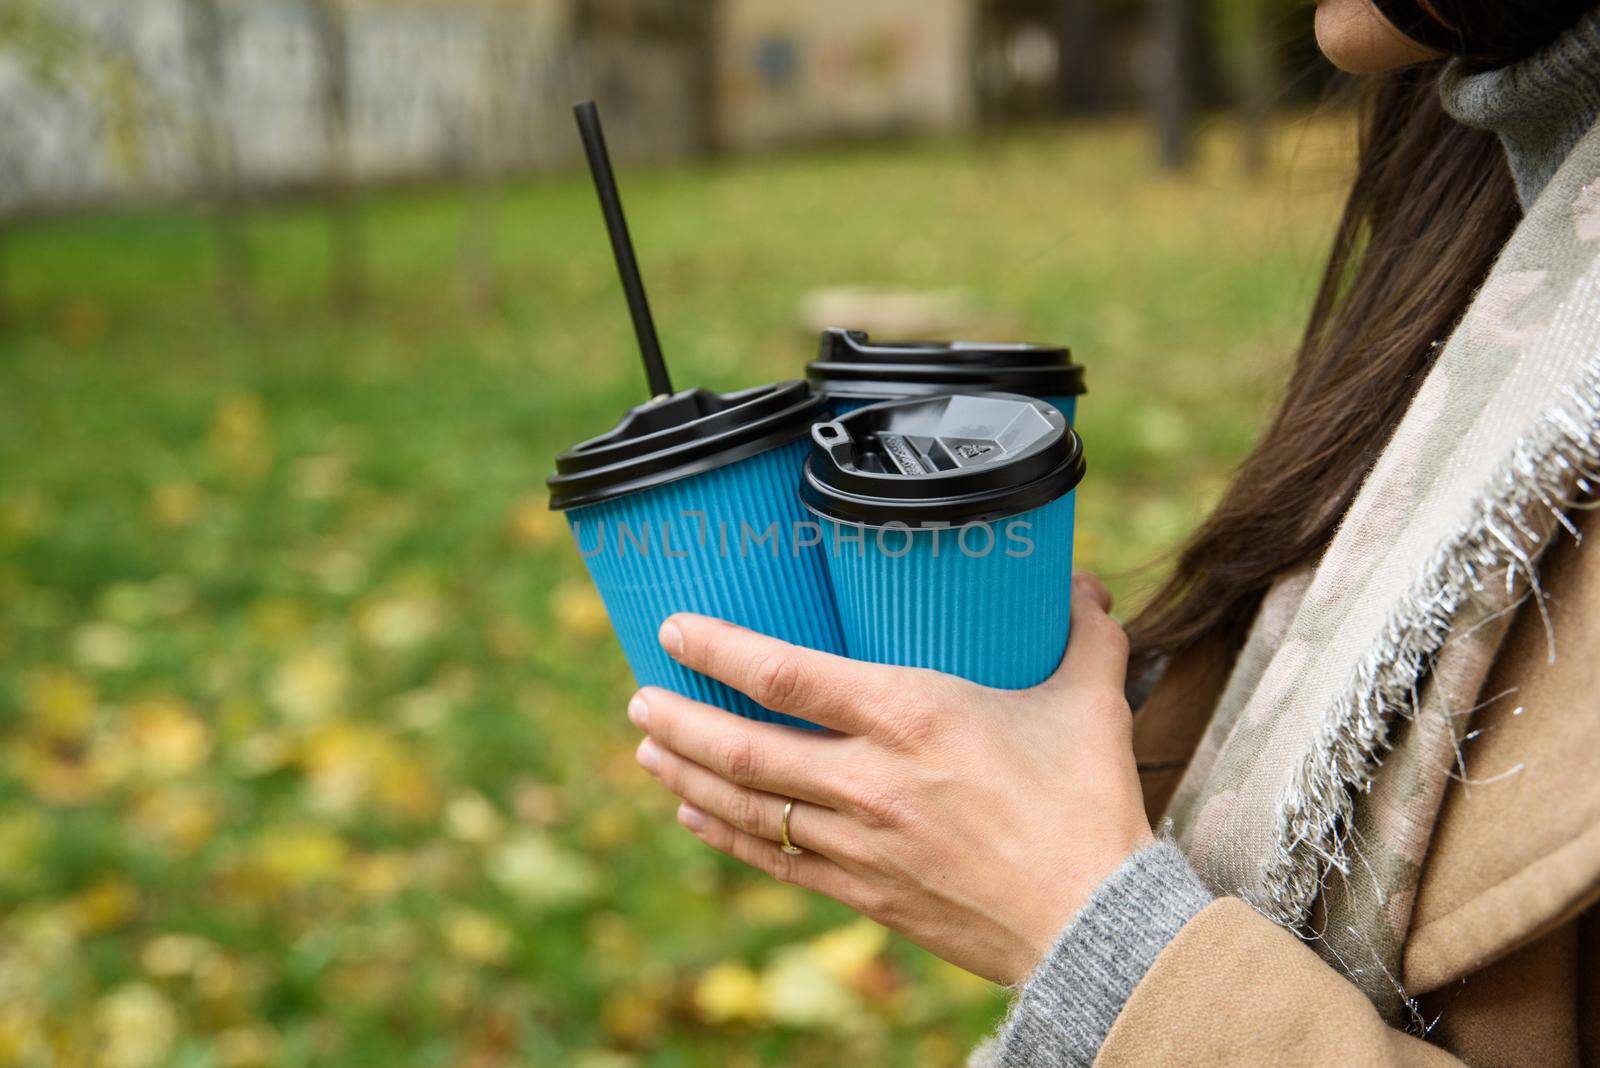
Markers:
point(1503, 953)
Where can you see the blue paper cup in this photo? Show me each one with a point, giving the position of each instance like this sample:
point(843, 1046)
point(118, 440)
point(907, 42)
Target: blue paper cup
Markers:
point(949, 531)
point(853, 372)
point(691, 506)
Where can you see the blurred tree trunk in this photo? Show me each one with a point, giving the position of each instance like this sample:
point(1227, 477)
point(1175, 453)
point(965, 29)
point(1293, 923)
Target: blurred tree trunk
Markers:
point(10, 141)
point(12, 146)
point(494, 131)
point(348, 282)
point(1081, 83)
point(699, 21)
point(5, 290)
point(207, 53)
point(1256, 68)
point(1173, 32)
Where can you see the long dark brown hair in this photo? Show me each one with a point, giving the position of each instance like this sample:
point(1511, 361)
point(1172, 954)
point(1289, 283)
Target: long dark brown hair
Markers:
point(1432, 204)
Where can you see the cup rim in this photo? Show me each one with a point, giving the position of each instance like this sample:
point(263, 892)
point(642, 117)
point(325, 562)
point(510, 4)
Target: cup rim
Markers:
point(849, 363)
point(634, 456)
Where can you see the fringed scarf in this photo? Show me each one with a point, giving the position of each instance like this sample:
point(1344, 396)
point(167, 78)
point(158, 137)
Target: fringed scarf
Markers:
point(1314, 794)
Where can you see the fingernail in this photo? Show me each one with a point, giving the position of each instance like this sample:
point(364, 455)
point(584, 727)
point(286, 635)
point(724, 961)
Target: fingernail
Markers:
point(638, 711)
point(691, 817)
point(671, 638)
point(648, 755)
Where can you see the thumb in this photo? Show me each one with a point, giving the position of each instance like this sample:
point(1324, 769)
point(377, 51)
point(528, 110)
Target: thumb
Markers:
point(1097, 647)
point(1087, 583)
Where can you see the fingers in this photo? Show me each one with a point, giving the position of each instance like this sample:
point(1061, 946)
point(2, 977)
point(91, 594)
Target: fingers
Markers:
point(1097, 648)
point(828, 690)
point(812, 827)
point(759, 756)
point(1088, 583)
point(810, 870)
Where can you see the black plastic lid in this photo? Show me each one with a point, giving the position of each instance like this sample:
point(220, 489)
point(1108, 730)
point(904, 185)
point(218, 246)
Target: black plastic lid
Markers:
point(849, 365)
point(676, 436)
point(941, 461)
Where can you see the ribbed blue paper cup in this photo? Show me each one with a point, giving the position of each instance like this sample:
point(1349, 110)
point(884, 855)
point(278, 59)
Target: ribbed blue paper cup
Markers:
point(948, 533)
point(852, 372)
point(690, 505)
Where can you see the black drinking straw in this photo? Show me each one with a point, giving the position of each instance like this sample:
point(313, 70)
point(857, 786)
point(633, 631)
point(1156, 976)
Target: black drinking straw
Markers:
point(605, 184)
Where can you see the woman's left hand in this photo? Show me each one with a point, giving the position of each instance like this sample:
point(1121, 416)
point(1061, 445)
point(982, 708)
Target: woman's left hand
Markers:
point(973, 821)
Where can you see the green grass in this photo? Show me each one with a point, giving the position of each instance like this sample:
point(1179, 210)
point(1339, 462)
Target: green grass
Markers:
point(311, 741)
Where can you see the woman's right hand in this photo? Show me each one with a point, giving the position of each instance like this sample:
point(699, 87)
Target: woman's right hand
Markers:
point(973, 821)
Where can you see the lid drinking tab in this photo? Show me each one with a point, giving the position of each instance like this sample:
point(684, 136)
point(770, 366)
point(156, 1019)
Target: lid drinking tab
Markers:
point(940, 461)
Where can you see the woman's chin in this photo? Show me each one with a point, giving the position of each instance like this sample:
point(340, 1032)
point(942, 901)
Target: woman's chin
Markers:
point(1358, 40)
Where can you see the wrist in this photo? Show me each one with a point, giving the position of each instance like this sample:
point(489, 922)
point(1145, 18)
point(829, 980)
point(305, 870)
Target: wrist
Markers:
point(1071, 1000)
point(1064, 897)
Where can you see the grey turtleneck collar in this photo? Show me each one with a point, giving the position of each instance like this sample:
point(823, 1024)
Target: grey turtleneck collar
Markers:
point(1540, 106)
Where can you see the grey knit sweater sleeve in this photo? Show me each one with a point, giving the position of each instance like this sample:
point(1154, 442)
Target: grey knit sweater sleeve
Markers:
point(1063, 1012)
point(1541, 107)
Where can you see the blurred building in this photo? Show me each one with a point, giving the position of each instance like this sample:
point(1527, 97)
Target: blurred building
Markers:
point(118, 99)
point(106, 99)
point(791, 72)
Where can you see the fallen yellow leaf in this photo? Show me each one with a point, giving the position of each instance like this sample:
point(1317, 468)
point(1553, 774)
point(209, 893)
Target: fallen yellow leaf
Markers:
point(103, 907)
point(534, 869)
point(634, 1016)
point(166, 737)
point(137, 1026)
point(471, 818)
point(310, 685)
point(770, 903)
point(846, 952)
point(475, 937)
point(246, 1046)
point(376, 876)
point(104, 646)
point(239, 438)
point(578, 610)
point(532, 524)
point(181, 817)
point(299, 856)
point(399, 623)
point(796, 990)
point(175, 504)
point(59, 703)
point(730, 992)
point(173, 956)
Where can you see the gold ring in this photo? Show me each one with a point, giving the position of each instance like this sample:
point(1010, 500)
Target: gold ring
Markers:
point(783, 830)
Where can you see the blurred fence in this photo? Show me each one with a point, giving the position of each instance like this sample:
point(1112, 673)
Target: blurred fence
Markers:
point(131, 99)
point(105, 99)
point(118, 99)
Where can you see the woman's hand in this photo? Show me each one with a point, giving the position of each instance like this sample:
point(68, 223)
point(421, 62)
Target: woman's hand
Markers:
point(973, 821)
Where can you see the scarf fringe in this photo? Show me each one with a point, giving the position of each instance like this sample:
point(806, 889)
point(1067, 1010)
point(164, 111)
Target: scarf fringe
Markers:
point(1554, 468)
